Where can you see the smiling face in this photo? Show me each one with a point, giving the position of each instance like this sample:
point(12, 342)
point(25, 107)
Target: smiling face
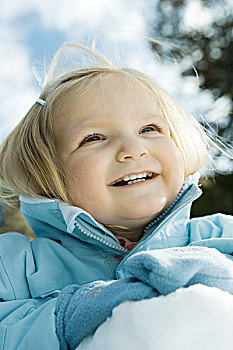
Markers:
point(109, 133)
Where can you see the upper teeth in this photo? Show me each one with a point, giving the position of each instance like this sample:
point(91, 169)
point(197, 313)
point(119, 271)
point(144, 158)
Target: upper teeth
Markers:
point(138, 176)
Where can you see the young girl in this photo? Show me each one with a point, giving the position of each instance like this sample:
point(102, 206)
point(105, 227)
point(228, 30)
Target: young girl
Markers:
point(104, 164)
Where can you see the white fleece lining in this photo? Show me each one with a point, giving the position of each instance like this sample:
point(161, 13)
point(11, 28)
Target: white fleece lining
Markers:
point(69, 212)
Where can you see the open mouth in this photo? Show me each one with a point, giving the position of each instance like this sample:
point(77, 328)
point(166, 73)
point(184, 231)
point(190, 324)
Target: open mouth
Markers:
point(132, 179)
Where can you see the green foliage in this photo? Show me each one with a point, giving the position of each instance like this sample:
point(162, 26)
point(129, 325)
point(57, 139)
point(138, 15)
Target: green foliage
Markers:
point(217, 196)
point(208, 47)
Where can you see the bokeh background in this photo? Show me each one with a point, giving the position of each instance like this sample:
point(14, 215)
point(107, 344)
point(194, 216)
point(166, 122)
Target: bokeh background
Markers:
point(195, 39)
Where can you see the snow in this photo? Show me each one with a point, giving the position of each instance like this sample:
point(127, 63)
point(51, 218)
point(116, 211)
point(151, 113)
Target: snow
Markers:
point(198, 317)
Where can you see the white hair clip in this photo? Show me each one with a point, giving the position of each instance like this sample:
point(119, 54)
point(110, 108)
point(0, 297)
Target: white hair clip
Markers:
point(40, 101)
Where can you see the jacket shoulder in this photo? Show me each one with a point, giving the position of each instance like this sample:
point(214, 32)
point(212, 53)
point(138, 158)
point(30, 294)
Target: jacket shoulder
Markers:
point(213, 231)
point(211, 226)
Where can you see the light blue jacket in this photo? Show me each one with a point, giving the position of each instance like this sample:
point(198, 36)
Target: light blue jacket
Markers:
point(73, 248)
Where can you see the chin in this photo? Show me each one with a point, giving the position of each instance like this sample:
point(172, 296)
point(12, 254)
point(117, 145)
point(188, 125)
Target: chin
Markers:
point(150, 208)
point(141, 216)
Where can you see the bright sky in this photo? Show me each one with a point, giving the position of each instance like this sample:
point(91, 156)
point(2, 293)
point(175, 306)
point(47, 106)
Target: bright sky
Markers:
point(31, 31)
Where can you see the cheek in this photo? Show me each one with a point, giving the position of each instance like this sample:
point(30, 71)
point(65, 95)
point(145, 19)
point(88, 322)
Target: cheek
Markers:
point(176, 169)
point(176, 160)
point(81, 173)
point(172, 163)
point(84, 177)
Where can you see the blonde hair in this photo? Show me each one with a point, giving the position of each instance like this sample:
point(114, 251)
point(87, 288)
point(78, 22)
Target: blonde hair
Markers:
point(28, 160)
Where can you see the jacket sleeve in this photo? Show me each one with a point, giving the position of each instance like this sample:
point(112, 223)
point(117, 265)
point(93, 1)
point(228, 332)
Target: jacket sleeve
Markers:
point(28, 324)
point(25, 322)
point(212, 231)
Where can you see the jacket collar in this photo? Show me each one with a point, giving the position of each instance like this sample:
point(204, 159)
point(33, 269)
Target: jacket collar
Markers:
point(54, 219)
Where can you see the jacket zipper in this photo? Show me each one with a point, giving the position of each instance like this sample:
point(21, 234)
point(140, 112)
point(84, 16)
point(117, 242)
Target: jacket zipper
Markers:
point(159, 218)
point(97, 238)
point(137, 247)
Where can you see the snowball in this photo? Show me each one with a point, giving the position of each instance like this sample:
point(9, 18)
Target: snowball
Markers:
point(198, 317)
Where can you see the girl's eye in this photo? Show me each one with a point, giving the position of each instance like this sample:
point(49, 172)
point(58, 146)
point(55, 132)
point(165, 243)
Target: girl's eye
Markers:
point(150, 128)
point(92, 138)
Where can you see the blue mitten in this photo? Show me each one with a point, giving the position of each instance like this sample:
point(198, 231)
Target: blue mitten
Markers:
point(172, 268)
point(80, 309)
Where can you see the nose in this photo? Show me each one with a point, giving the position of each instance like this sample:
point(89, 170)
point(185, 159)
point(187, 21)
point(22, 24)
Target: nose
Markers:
point(131, 149)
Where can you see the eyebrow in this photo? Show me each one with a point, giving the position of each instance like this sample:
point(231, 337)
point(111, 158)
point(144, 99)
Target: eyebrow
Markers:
point(93, 124)
point(82, 129)
point(85, 126)
point(103, 123)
